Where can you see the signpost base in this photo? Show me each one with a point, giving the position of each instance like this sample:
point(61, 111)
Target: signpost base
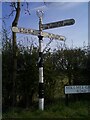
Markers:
point(41, 103)
point(66, 99)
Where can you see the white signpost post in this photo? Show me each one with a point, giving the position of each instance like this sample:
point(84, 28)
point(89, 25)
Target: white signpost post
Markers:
point(40, 35)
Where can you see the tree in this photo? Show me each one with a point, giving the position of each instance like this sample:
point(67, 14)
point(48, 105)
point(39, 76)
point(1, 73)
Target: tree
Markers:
point(7, 82)
point(15, 23)
point(27, 80)
point(73, 63)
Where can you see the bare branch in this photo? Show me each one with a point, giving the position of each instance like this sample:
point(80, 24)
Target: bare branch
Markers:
point(13, 9)
point(27, 8)
point(13, 5)
point(47, 44)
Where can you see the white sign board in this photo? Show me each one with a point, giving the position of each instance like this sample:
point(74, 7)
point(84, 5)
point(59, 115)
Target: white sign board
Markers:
point(75, 89)
point(53, 36)
point(25, 31)
point(37, 33)
point(58, 24)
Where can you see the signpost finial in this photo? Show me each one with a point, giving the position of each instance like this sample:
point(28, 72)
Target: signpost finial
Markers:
point(40, 13)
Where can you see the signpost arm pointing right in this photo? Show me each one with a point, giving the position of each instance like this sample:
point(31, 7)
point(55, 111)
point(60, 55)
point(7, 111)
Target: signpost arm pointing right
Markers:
point(58, 24)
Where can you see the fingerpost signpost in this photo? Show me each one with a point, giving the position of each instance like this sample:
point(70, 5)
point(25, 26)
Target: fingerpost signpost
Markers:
point(40, 35)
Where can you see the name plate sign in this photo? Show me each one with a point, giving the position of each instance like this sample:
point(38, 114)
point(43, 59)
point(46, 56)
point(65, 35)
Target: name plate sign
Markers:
point(75, 89)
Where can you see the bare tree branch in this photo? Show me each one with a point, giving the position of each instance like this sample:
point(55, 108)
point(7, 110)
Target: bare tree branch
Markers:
point(27, 8)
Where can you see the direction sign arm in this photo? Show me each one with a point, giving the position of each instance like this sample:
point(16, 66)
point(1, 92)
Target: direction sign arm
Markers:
point(53, 36)
point(37, 33)
point(58, 24)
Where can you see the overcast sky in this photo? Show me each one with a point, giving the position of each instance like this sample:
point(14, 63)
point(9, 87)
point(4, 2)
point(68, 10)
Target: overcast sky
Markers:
point(76, 35)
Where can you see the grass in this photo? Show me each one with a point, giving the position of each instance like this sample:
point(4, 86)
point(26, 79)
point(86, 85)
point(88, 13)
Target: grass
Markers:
point(78, 109)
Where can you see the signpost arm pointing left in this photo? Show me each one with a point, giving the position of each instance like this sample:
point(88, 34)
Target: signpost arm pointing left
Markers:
point(37, 33)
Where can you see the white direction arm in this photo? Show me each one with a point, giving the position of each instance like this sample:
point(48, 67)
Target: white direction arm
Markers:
point(37, 33)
